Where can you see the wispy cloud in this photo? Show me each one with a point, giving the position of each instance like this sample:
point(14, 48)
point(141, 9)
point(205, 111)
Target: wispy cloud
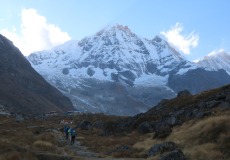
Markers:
point(35, 33)
point(183, 42)
point(215, 52)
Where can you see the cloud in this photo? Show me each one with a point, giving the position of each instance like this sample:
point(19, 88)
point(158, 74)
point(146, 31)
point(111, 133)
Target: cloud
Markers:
point(183, 42)
point(35, 33)
point(215, 52)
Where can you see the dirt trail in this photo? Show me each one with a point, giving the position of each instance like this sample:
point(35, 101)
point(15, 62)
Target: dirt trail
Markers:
point(77, 149)
point(82, 152)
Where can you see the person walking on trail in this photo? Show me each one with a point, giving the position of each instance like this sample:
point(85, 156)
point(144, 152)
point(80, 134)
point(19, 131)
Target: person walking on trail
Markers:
point(66, 129)
point(72, 134)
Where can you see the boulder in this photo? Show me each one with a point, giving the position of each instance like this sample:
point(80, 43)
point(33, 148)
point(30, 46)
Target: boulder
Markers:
point(202, 114)
point(183, 93)
point(212, 104)
point(161, 148)
point(162, 132)
point(224, 106)
point(172, 120)
point(173, 155)
point(227, 99)
point(144, 127)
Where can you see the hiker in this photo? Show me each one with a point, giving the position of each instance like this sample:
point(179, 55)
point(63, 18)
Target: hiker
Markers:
point(66, 122)
point(72, 134)
point(66, 129)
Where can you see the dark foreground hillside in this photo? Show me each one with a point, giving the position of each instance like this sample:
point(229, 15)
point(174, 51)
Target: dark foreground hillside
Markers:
point(22, 89)
point(187, 127)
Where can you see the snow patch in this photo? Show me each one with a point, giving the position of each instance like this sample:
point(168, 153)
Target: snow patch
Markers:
point(151, 80)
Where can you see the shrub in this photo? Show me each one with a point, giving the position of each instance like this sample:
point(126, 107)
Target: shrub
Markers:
point(43, 145)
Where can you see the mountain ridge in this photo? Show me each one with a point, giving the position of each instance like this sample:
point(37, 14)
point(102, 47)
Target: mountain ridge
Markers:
point(217, 60)
point(116, 55)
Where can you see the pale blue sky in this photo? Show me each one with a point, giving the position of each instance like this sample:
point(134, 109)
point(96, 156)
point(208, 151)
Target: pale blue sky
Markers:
point(209, 20)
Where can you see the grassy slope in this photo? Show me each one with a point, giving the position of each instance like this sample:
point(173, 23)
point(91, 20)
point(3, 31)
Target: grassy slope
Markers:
point(206, 138)
point(202, 139)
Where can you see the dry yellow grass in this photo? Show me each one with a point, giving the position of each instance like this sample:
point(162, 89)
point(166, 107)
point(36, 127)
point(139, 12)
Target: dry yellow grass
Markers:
point(202, 139)
point(44, 145)
point(204, 151)
point(104, 144)
point(15, 155)
point(205, 139)
point(20, 141)
point(146, 142)
point(203, 131)
point(47, 137)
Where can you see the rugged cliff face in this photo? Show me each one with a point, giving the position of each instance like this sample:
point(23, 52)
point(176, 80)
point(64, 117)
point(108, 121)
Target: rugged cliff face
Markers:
point(198, 80)
point(22, 89)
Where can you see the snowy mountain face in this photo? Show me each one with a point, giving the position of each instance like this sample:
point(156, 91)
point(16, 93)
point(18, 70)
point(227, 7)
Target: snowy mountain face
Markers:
point(216, 61)
point(114, 71)
point(111, 54)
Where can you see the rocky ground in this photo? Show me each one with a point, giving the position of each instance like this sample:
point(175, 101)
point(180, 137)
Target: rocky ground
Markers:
point(44, 139)
point(187, 127)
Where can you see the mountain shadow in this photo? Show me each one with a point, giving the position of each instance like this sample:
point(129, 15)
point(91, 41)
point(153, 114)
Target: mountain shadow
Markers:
point(22, 89)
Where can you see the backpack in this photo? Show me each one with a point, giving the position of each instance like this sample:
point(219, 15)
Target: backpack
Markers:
point(66, 129)
point(73, 132)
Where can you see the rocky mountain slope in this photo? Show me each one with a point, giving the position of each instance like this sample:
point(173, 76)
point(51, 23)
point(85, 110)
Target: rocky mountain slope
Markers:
point(199, 120)
point(22, 89)
point(117, 72)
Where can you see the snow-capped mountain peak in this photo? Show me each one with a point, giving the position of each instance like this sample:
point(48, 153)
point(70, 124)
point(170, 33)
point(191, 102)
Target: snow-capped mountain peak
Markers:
point(115, 28)
point(119, 45)
point(116, 65)
point(113, 53)
point(216, 60)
